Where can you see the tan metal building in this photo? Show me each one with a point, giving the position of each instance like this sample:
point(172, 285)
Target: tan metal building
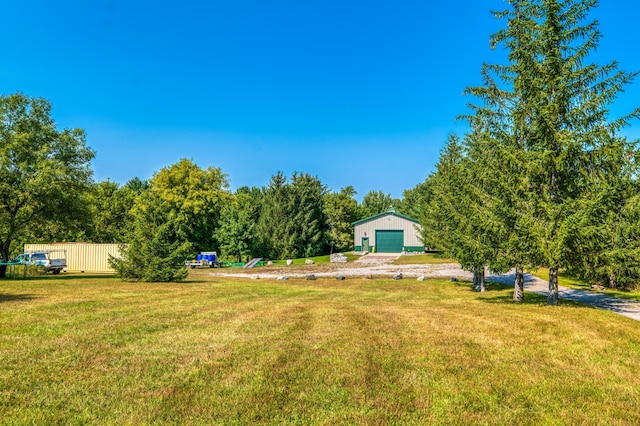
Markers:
point(388, 232)
point(82, 257)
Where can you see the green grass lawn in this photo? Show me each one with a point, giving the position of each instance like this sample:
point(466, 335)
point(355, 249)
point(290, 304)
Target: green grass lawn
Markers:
point(318, 260)
point(76, 349)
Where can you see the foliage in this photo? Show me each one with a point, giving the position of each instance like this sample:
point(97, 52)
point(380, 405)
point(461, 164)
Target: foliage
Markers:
point(307, 224)
point(415, 200)
point(546, 116)
point(157, 247)
point(292, 222)
point(340, 210)
point(458, 220)
point(237, 230)
point(194, 199)
point(111, 217)
point(274, 212)
point(44, 173)
point(376, 202)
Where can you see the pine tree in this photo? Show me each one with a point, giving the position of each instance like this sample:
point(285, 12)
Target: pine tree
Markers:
point(547, 111)
point(158, 245)
point(274, 214)
point(457, 220)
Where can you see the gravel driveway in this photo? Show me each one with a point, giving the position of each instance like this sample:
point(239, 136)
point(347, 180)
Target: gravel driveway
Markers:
point(625, 307)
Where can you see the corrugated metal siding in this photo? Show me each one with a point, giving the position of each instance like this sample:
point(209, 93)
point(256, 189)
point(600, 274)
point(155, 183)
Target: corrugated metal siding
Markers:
point(387, 222)
point(82, 256)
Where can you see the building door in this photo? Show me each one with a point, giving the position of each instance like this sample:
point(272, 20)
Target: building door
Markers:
point(388, 241)
point(365, 244)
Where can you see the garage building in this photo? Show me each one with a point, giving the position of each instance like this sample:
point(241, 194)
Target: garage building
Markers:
point(388, 232)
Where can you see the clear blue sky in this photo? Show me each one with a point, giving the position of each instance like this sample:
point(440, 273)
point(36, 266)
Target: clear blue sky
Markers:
point(360, 93)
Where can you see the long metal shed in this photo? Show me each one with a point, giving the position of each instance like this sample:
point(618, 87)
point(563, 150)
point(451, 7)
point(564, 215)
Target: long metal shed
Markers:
point(388, 232)
point(82, 257)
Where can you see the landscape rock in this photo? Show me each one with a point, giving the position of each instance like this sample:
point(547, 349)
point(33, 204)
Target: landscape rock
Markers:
point(270, 263)
point(421, 278)
point(397, 276)
point(283, 278)
point(289, 262)
point(311, 277)
point(454, 280)
point(597, 287)
point(340, 278)
point(309, 262)
point(338, 258)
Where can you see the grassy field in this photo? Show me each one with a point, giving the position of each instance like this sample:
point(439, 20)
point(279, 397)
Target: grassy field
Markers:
point(79, 349)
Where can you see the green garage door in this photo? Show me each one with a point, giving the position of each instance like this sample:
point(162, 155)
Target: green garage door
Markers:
point(389, 241)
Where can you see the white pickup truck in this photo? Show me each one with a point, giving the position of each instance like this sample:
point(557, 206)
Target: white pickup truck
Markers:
point(45, 260)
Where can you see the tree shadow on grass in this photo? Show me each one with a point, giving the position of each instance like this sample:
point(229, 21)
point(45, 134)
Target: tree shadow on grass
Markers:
point(16, 297)
point(61, 277)
point(529, 299)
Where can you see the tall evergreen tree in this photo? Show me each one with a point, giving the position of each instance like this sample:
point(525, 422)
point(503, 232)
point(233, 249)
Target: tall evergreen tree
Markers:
point(274, 214)
point(307, 222)
point(548, 111)
point(157, 246)
point(457, 221)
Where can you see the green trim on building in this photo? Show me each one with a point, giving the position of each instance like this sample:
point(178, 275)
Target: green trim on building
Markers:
point(391, 211)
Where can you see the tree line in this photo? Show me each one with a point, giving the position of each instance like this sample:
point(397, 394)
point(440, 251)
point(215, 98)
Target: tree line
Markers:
point(47, 194)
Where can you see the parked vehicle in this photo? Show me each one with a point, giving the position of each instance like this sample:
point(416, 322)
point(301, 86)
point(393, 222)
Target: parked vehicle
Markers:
point(54, 261)
point(205, 258)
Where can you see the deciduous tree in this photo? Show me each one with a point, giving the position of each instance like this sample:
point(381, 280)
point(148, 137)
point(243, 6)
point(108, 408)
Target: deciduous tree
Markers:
point(43, 173)
point(340, 210)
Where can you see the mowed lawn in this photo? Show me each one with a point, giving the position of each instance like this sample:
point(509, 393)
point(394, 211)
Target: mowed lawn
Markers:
point(95, 350)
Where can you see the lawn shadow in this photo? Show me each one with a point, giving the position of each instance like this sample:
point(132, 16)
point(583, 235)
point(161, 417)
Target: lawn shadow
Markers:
point(64, 277)
point(530, 298)
point(16, 297)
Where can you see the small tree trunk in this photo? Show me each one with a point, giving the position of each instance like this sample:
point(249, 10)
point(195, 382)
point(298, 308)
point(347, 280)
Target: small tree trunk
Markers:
point(4, 257)
point(613, 280)
point(475, 278)
point(552, 299)
point(518, 287)
point(478, 279)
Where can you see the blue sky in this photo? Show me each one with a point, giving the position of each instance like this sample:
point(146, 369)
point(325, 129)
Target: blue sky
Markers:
point(360, 93)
